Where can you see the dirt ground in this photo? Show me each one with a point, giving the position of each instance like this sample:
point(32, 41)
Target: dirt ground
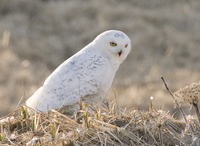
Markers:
point(36, 36)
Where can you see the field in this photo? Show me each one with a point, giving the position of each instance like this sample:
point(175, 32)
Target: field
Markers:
point(99, 125)
point(36, 36)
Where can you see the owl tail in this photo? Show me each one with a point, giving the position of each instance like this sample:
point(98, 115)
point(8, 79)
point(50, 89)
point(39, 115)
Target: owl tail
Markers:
point(34, 100)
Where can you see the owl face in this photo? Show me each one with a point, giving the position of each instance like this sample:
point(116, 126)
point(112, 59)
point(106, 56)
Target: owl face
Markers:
point(115, 44)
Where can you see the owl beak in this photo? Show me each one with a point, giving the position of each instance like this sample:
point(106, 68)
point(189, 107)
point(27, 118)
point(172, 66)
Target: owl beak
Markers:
point(119, 53)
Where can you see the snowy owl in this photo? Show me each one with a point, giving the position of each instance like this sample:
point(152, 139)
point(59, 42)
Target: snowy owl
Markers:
point(87, 75)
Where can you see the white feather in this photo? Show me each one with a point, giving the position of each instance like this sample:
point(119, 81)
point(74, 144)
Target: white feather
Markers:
point(89, 72)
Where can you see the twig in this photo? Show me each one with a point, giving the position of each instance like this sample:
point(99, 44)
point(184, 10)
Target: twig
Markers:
point(181, 110)
point(19, 103)
point(197, 111)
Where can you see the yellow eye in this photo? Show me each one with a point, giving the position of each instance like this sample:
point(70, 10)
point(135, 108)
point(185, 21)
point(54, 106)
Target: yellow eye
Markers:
point(113, 44)
point(126, 45)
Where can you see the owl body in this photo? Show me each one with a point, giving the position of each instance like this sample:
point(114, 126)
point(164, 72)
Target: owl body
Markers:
point(88, 73)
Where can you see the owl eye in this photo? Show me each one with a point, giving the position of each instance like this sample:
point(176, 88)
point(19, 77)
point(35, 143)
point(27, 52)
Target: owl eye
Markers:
point(126, 45)
point(113, 44)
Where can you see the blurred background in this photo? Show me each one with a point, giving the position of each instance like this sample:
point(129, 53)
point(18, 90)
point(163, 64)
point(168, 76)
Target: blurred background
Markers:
point(38, 35)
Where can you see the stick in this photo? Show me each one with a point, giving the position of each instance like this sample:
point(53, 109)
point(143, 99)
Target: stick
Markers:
point(197, 111)
point(184, 116)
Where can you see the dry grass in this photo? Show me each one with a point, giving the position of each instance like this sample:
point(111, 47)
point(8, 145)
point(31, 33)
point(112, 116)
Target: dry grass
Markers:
point(105, 124)
point(96, 126)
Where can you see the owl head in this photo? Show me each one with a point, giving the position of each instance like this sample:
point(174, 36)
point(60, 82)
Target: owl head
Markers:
point(115, 44)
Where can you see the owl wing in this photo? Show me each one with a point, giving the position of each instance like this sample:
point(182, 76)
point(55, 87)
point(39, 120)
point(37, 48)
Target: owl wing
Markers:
point(79, 76)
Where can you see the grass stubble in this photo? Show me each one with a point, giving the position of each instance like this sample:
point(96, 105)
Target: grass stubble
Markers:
point(103, 125)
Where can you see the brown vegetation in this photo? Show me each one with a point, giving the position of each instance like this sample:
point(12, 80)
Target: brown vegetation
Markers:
point(97, 126)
